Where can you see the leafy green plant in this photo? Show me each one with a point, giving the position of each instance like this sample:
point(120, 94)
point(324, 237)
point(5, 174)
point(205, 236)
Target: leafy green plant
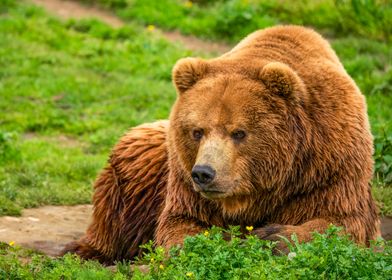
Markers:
point(38, 266)
point(329, 256)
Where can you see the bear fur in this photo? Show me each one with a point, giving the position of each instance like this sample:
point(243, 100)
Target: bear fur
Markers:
point(283, 133)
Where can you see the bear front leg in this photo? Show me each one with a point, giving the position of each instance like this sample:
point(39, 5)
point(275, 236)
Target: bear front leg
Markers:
point(172, 230)
point(303, 232)
point(128, 198)
point(361, 229)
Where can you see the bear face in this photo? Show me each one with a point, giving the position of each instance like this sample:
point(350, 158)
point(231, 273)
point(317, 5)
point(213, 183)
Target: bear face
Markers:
point(231, 133)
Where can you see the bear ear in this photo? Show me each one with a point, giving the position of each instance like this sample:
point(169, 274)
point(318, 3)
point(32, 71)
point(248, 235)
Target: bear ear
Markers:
point(187, 72)
point(280, 79)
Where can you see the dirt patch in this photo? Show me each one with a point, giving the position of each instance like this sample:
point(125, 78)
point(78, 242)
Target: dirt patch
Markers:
point(46, 229)
point(70, 9)
point(386, 228)
point(196, 44)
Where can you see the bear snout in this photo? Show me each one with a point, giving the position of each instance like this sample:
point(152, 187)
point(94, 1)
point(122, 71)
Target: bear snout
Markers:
point(203, 176)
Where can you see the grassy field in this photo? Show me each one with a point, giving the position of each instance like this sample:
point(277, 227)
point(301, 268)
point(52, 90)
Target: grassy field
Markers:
point(69, 90)
point(231, 20)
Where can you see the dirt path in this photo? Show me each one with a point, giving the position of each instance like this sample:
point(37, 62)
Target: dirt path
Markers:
point(46, 229)
point(69, 9)
point(386, 228)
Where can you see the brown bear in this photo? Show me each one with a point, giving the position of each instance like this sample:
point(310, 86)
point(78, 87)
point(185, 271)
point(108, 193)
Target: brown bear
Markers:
point(273, 134)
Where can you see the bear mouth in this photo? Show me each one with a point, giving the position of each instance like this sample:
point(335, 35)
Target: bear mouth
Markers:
point(211, 194)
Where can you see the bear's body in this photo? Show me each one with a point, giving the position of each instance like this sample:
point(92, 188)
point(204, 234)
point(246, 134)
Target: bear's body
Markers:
point(273, 134)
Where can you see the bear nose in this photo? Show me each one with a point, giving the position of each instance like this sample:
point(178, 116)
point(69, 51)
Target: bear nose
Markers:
point(202, 175)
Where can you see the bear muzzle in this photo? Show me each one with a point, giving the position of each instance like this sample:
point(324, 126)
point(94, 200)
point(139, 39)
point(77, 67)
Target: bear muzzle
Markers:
point(203, 176)
point(210, 171)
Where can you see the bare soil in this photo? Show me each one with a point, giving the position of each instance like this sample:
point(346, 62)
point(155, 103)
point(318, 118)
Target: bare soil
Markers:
point(46, 229)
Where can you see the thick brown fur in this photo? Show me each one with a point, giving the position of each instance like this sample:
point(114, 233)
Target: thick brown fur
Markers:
point(129, 195)
point(304, 159)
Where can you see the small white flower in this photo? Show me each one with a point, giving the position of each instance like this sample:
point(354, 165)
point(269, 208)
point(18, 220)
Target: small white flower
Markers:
point(291, 255)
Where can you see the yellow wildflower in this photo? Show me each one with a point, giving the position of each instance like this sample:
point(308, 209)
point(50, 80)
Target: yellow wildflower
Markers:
point(12, 243)
point(161, 266)
point(151, 27)
point(188, 4)
point(160, 250)
point(206, 233)
point(249, 228)
point(152, 260)
point(189, 274)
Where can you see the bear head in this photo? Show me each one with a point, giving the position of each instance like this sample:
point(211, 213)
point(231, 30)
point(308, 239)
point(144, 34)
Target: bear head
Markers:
point(234, 129)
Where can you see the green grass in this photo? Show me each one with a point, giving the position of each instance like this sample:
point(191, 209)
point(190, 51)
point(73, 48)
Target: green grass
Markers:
point(208, 256)
point(233, 19)
point(20, 263)
point(68, 92)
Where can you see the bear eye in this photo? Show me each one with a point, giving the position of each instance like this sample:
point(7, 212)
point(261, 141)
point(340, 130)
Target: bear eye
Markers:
point(238, 135)
point(197, 133)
